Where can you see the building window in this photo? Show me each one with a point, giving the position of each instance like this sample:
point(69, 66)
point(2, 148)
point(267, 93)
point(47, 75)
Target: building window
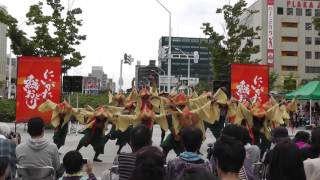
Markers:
point(308, 12)
point(299, 12)
point(280, 10)
point(289, 68)
point(317, 12)
point(289, 39)
point(317, 40)
point(312, 69)
point(308, 26)
point(289, 24)
point(317, 55)
point(308, 55)
point(289, 53)
point(308, 40)
point(290, 11)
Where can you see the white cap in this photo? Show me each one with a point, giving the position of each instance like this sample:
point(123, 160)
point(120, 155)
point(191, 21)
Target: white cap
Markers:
point(4, 129)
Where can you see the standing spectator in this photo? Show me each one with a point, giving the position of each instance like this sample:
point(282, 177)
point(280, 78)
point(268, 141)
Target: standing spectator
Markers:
point(73, 164)
point(191, 139)
point(140, 137)
point(37, 151)
point(229, 155)
point(286, 163)
point(313, 151)
point(8, 144)
point(149, 164)
point(4, 168)
point(302, 139)
point(312, 168)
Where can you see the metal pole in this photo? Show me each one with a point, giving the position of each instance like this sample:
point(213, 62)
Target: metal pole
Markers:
point(310, 112)
point(120, 79)
point(77, 125)
point(9, 78)
point(169, 52)
point(188, 76)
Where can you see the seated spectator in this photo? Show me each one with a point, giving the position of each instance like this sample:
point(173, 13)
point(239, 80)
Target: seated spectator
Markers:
point(313, 151)
point(73, 164)
point(4, 168)
point(229, 155)
point(37, 151)
point(149, 164)
point(286, 162)
point(191, 139)
point(8, 142)
point(197, 173)
point(140, 137)
point(312, 168)
point(301, 139)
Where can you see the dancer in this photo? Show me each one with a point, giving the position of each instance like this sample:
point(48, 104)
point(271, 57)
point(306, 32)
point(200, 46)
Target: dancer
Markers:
point(95, 131)
point(61, 114)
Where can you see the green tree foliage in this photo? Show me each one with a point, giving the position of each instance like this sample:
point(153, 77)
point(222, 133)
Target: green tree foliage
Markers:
point(290, 83)
point(236, 46)
point(272, 80)
point(316, 22)
point(55, 34)
point(202, 86)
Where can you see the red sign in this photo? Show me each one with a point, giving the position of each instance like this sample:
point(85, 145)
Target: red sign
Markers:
point(303, 4)
point(270, 48)
point(38, 79)
point(250, 82)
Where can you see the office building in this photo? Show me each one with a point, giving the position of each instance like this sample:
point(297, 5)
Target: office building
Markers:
point(180, 47)
point(111, 85)
point(97, 72)
point(3, 52)
point(145, 73)
point(289, 42)
point(13, 75)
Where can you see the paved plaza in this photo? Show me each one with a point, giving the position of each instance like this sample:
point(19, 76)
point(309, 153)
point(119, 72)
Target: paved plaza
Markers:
point(110, 150)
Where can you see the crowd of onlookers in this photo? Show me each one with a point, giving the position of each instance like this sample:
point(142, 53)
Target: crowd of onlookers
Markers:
point(302, 116)
point(233, 156)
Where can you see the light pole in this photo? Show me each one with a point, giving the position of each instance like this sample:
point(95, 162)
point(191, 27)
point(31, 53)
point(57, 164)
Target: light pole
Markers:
point(169, 52)
point(195, 61)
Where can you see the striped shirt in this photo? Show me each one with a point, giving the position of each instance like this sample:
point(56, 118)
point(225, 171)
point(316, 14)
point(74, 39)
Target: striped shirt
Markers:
point(127, 163)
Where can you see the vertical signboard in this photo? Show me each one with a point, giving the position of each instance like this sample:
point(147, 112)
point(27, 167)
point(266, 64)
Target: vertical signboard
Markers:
point(250, 82)
point(270, 48)
point(38, 79)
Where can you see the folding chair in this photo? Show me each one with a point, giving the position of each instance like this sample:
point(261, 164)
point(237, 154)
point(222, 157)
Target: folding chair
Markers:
point(36, 173)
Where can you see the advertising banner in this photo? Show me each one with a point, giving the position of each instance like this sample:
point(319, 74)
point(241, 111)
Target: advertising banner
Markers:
point(270, 48)
point(38, 79)
point(250, 82)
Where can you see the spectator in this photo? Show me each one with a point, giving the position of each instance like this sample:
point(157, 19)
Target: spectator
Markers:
point(37, 151)
point(312, 168)
point(149, 164)
point(140, 137)
point(73, 164)
point(252, 151)
point(301, 139)
point(229, 155)
point(4, 168)
point(191, 139)
point(286, 162)
point(278, 135)
point(313, 151)
point(8, 144)
point(197, 173)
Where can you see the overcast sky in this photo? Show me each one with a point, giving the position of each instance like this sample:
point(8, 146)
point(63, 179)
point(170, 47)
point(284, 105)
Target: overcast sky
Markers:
point(115, 27)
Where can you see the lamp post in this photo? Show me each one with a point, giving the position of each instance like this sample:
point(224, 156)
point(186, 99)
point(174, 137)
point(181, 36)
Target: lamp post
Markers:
point(169, 52)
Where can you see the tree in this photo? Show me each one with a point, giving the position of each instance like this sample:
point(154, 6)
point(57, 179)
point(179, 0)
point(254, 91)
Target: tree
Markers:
point(272, 80)
point(236, 46)
point(54, 35)
point(202, 86)
point(316, 22)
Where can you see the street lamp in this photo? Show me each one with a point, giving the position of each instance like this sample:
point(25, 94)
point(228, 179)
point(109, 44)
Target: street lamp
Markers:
point(169, 52)
point(196, 57)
